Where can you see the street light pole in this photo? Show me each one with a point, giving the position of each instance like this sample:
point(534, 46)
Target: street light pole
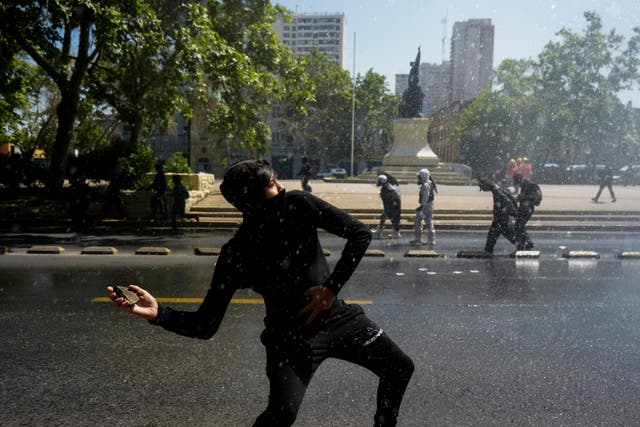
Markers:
point(353, 101)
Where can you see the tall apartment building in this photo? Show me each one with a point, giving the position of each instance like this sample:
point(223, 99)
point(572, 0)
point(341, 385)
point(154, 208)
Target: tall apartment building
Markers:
point(471, 58)
point(324, 31)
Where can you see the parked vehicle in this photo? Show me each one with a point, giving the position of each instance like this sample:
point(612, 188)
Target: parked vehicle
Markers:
point(630, 175)
point(336, 172)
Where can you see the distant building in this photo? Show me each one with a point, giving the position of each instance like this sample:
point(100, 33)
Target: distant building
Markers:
point(439, 136)
point(324, 31)
point(402, 83)
point(471, 58)
point(434, 80)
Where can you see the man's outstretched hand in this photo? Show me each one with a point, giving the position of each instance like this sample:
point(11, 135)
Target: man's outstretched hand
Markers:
point(322, 298)
point(146, 307)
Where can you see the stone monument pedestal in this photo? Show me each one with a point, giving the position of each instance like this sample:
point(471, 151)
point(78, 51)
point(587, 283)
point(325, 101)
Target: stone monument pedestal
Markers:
point(410, 151)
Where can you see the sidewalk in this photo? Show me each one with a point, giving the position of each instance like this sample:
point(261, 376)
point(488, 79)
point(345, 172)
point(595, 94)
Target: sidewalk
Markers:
point(570, 199)
point(457, 207)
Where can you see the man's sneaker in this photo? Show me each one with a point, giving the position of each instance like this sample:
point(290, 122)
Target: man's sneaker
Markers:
point(417, 242)
point(595, 200)
point(613, 200)
point(396, 235)
point(377, 233)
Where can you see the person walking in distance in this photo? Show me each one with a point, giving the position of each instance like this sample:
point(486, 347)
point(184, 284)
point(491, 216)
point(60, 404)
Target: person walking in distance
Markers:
point(504, 207)
point(529, 197)
point(606, 180)
point(391, 205)
point(276, 252)
point(305, 173)
point(424, 212)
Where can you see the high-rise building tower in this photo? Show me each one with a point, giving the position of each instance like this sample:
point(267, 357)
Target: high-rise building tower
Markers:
point(471, 58)
point(324, 31)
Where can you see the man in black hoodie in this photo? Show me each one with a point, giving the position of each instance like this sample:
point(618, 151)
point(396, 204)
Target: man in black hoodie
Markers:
point(504, 207)
point(276, 252)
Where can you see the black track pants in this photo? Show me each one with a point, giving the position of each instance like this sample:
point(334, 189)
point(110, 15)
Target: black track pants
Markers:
point(346, 334)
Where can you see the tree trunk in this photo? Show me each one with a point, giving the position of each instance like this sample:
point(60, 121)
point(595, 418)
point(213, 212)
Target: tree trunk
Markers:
point(66, 112)
point(69, 101)
point(136, 129)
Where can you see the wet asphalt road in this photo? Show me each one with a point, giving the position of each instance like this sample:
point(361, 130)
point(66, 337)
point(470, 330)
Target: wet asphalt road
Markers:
point(495, 342)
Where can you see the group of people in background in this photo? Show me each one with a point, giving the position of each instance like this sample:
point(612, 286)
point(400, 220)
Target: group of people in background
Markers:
point(391, 203)
point(392, 208)
point(158, 198)
point(519, 165)
point(510, 214)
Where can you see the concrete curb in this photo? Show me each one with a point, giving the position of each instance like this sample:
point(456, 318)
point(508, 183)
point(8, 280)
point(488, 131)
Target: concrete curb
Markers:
point(152, 250)
point(526, 254)
point(628, 255)
point(370, 253)
point(581, 255)
point(423, 253)
point(374, 253)
point(206, 251)
point(41, 249)
point(99, 250)
point(473, 254)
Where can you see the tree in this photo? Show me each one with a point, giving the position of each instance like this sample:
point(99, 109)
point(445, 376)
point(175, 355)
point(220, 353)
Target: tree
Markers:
point(147, 70)
point(485, 132)
point(148, 59)
point(375, 111)
point(247, 69)
point(64, 38)
point(560, 107)
point(579, 78)
point(13, 86)
point(324, 128)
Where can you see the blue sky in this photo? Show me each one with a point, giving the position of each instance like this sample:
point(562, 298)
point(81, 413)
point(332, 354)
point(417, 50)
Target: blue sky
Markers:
point(388, 32)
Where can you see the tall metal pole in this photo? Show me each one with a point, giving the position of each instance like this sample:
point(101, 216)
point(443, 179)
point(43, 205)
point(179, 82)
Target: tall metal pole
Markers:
point(353, 102)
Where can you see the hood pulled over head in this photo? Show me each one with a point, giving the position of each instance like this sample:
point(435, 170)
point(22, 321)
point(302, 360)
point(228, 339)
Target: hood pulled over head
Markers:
point(244, 184)
point(423, 176)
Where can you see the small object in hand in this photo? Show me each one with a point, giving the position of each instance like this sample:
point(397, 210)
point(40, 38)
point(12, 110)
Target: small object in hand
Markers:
point(124, 292)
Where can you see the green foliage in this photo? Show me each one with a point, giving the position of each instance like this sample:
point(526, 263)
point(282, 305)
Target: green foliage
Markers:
point(485, 131)
point(147, 60)
point(247, 69)
point(375, 110)
point(146, 67)
point(560, 107)
point(177, 163)
point(324, 131)
point(137, 164)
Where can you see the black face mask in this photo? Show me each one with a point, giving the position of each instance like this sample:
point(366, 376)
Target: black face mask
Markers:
point(267, 210)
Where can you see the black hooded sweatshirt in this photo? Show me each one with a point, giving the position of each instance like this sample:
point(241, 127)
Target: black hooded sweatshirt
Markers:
point(276, 252)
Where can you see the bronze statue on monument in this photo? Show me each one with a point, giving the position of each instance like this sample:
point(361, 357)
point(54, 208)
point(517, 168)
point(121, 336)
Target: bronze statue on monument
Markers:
point(410, 151)
point(411, 103)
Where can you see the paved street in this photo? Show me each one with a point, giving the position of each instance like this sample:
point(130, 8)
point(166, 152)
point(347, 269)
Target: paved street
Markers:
point(496, 342)
point(548, 341)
